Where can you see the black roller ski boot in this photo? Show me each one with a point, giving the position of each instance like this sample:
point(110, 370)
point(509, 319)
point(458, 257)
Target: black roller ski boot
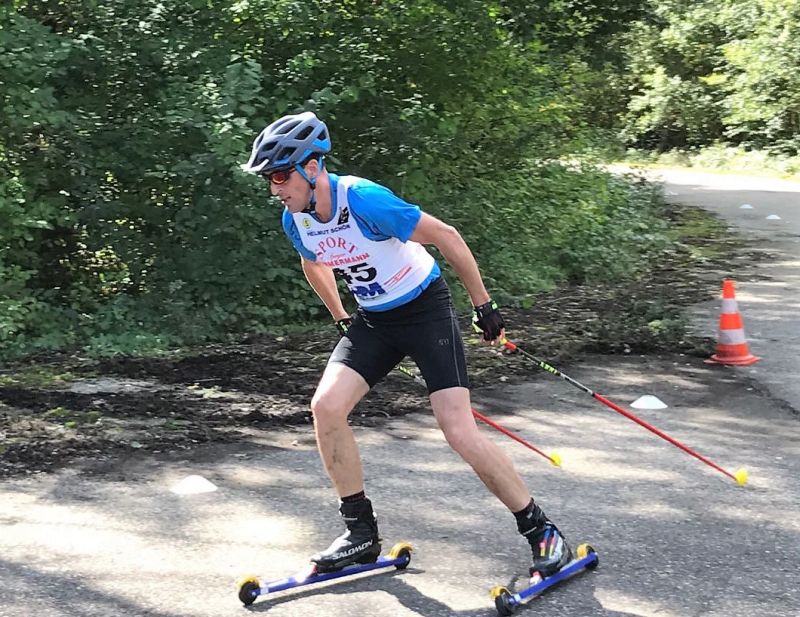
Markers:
point(358, 544)
point(550, 550)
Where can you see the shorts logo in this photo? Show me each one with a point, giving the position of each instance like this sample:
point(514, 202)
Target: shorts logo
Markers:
point(444, 341)
point(344, 216)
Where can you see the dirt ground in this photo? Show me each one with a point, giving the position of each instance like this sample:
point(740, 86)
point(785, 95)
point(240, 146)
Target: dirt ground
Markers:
point(57, 410)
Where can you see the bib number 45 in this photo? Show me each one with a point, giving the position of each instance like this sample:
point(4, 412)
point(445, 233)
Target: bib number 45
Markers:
point(357, 274)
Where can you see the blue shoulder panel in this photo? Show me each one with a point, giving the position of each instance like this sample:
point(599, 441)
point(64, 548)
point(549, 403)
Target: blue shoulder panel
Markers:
point(290, 229)
point(381, 214)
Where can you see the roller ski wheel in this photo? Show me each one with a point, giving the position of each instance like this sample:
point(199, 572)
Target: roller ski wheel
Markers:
point(402, 553)
point(583, 551)
point(507, 602)
point(502, 601)
point(251, 587)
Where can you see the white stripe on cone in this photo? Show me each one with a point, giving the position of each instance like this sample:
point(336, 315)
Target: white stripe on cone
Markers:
point(732, 337)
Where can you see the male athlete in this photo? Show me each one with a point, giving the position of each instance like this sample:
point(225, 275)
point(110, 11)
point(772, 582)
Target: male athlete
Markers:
point(360, 231)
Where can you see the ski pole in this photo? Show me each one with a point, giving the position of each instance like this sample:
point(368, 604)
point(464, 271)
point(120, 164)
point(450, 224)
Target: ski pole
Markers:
point(553, 457)
point(741, 474)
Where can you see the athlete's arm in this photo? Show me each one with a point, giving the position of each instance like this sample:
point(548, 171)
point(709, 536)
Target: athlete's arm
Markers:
point(323, 282)
point(451, 245)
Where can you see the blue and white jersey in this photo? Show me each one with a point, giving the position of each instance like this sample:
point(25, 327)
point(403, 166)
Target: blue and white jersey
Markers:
point(366, 242)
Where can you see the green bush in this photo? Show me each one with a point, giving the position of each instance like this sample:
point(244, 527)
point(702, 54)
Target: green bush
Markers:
point(127, 226)
point(547, 224)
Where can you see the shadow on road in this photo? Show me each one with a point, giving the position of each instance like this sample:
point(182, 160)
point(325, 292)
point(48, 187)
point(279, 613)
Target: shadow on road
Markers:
point(71, 595)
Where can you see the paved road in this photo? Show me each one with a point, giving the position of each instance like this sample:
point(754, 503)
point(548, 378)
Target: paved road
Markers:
point(675, 538)
point(770, 300)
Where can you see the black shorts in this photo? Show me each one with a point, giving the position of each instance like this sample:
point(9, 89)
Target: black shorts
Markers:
point(425, 329)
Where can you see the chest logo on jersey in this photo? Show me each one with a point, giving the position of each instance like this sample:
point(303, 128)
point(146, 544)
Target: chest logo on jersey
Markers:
point(325, 232)
point(306, 223)
point(339, 251)
point(344, 216)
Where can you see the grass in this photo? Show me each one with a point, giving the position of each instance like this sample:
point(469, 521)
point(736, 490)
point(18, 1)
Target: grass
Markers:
point(721, 159)
point(36, 376)
point(71, 418)
point(699, 231)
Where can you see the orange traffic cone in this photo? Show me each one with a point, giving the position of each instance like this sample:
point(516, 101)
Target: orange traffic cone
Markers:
point(731, 344)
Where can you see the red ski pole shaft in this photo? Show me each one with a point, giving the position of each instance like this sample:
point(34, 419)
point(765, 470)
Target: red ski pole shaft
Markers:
point(661, 434)
point(553, 458)
point(516, 438)
point(741, 475)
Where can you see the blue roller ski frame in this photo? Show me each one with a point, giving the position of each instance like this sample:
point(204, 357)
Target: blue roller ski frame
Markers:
point(506, 602)
point(251, 587)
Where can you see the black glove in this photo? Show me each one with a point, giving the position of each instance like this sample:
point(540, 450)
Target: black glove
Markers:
point(342, 325)
point(488, 318)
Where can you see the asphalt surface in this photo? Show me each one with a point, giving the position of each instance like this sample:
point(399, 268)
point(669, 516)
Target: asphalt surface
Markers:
point(770, 300)
point(675, 537)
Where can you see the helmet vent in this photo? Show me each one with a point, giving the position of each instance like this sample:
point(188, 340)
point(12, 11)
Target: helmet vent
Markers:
point(286, 153)
point(287, 142)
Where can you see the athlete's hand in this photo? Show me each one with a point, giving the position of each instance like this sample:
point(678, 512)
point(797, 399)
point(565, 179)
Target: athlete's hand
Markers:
point(487, 319)
point(342, 325)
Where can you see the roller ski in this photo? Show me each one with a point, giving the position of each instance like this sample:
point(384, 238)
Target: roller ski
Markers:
point(553, 561)
point(357, 550)
point(507, 602)
point(251, 587)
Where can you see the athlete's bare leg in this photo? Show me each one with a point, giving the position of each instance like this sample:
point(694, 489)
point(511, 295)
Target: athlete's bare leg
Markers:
point(453, 412)
point(338, 392)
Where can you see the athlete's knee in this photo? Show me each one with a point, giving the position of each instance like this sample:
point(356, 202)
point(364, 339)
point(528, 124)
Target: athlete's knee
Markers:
point(327, 408)
point(463, 437)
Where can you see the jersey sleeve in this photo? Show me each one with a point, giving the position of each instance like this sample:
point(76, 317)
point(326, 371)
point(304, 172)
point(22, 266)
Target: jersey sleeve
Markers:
point(380, 213)
point(290, 229)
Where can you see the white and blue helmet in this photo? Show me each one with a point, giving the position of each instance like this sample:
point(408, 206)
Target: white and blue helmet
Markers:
point(288, 142)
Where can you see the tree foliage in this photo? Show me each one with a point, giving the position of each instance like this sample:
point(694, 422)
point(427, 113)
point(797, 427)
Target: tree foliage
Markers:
point(126, 224)
point(707, 71)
